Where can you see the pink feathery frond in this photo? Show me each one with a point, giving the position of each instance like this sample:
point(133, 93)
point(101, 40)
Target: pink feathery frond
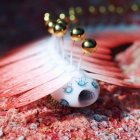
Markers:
point(31, 73)
point(42, 91)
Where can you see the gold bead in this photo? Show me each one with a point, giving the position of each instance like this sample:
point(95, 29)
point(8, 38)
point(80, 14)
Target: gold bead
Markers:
point(60, 29)
point(72, 18)
point(78, 10)
point(50, 26)
point(111, 8)
point(77, 34)
point(62, 16)
point(102, 9)
point(92, 9)
point(134, 7)
point(119, 10)
point(62, 22)
point(89, 46)
point(46, 18)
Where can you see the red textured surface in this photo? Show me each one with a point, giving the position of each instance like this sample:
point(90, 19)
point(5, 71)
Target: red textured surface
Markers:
point(116, 114)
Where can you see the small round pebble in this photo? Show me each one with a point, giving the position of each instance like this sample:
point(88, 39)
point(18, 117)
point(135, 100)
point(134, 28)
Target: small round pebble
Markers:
point(1, 132)
point(21, 138)
point(99, 118)
point(33, 126)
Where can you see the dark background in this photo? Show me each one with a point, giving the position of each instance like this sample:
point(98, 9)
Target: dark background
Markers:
point(22, 21)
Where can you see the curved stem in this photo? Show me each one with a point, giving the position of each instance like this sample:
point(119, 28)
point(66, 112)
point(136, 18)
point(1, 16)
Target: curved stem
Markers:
point(63, 51)
point(80, 61)
point(71, 55)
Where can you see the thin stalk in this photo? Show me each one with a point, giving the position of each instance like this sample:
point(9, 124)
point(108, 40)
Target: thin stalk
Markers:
point(63, 50)
point(80, 61)
point(71, 53)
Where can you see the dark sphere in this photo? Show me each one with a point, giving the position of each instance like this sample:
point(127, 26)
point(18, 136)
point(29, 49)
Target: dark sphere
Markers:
point(50, 26)
point(77, 34)
point(59, 29)
point(89, 46)
point(89, 43)
point(62, 22)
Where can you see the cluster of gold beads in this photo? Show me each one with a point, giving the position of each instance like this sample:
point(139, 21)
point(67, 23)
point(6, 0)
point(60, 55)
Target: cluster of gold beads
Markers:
point(60, 27)
point(57, 28)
